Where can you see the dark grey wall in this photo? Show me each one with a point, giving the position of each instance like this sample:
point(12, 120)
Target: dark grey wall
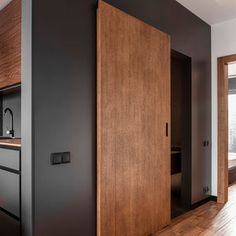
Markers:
point(64, 110)
point(13, 101)
point(64, 116)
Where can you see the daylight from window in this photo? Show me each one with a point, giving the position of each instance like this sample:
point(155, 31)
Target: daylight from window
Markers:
point(232, 115)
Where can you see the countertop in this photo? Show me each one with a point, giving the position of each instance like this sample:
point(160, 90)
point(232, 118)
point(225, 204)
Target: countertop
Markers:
point(14, 143)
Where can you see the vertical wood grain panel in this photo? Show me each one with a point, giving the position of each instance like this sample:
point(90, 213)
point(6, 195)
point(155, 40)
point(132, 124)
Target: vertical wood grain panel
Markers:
point(10, 44)
point(222, 131)
point(133, 97)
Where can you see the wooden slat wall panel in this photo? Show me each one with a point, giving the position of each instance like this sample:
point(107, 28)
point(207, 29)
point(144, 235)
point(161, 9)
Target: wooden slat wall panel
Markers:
point(133, 97)
point(10, 44)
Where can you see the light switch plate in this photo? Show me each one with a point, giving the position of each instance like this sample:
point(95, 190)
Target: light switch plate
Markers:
point(60, 158)
point(56, 158)
point(66, 157)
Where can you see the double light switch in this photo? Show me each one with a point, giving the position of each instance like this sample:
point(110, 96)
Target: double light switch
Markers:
point(60, 158)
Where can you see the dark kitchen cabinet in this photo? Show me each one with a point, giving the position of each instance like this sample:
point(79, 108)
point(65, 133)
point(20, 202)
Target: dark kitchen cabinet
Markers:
point(10, 192)
point(10, 177)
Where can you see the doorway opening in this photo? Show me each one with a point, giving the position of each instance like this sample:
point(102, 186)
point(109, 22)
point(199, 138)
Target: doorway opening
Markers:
point(180, 133)
point(226, 120)
point(232, 123)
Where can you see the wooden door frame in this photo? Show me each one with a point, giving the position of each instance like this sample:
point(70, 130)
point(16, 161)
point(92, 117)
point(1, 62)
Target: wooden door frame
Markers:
point(223, 62)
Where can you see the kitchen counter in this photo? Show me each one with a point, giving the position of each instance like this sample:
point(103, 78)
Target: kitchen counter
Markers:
point(11, 143)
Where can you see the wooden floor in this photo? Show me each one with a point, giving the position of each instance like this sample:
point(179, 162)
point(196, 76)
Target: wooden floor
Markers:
point(211, 219)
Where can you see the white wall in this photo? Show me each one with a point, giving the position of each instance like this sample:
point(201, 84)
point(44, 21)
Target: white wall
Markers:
point(223, 43)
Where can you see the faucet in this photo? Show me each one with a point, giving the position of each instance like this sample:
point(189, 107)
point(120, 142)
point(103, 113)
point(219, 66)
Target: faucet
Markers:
point(11, 131)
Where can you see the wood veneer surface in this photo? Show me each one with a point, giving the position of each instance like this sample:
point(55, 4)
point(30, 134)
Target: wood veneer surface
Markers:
point(133, 108)
point(222, 131)
point(16, 142)
point(10, 44)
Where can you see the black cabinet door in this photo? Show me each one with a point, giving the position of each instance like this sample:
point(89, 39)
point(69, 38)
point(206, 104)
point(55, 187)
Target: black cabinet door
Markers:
point(9, 192)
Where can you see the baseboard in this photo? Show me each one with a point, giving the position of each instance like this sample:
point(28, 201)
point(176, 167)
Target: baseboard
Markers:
point(213, 198)
point(204, 201)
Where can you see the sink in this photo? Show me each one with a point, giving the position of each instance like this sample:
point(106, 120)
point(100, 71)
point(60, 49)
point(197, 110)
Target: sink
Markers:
point(5, 137)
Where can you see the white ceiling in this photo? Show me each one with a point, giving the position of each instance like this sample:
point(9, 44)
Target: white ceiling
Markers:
point(3, 3)
point(211, 11)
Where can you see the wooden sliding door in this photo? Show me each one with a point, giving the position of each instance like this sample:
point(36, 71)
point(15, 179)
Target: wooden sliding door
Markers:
point(133, 107)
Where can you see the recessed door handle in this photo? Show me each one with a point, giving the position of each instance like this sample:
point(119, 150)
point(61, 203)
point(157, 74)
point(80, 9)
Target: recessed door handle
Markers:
point(167, 129)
